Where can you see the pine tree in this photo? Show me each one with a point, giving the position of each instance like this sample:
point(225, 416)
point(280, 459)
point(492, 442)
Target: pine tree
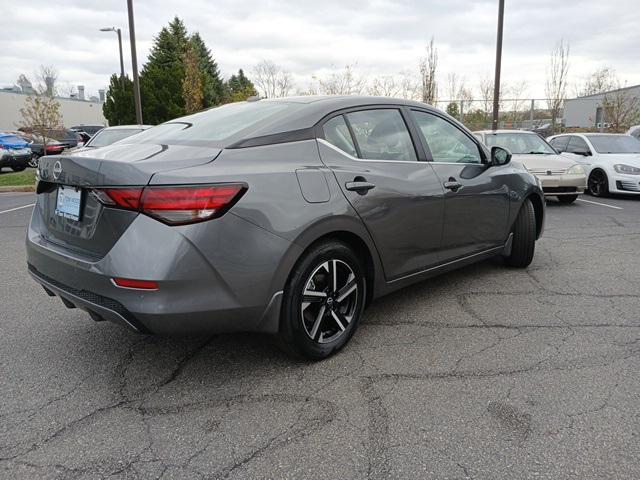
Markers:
point(163, 74)
point(239, 88)
point(119, 107)
point(213, 87)
point(192, 84)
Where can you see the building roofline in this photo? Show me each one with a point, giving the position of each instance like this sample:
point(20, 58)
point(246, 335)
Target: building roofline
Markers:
point(594, 95)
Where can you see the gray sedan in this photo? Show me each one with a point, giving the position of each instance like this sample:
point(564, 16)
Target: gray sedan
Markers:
point(282, 216)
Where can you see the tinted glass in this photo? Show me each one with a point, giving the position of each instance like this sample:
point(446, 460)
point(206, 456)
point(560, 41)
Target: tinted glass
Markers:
point(215, 124)
point(448, 144)
point(107, 137)
point(519, 143)
point(337, 133)
point(560, 143)
point(577, 144)
point(615, 144)
point(382, 135)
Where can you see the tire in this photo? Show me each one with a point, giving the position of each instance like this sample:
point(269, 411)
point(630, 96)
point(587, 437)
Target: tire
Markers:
point(33, 162)
point(567, 198)
point(524, 237)
point(318, 325)
point(598, 184)
point(19, 169)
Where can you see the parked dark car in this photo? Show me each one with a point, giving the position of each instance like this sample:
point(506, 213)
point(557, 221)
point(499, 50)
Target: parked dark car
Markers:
point(89, 129)
point(66, 137)
point(282, 216)
point(37, 147)
point(14, 152)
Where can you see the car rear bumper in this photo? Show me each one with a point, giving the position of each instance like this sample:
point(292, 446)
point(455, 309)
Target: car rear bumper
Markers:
point(554, 185)
point(230, 291)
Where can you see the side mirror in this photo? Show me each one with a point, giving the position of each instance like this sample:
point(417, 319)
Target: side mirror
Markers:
point(499, 156)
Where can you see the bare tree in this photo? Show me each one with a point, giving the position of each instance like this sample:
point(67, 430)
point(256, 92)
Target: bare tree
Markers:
point(621, 109)
point(556, 83)
point(602, 80)
point(409, 86)
point(453, 85)
point(428, 66)
point(24, 83)
point(385, 86)
point(47, 77)
point(485, 87)
point(272, 80)
point(516, 92)
point(345, 82)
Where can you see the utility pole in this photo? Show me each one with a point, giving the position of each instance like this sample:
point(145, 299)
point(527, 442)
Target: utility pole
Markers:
point(496, 81)
point(134, 63)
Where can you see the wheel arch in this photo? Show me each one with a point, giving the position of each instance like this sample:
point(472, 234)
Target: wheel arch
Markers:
point(539, 210)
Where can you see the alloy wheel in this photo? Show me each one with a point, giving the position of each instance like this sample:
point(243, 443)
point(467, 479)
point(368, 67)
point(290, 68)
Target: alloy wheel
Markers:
point(329, 301)
point(597, 183)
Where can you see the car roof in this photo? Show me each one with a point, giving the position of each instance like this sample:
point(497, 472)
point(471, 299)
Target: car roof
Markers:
point(527, 132)
point(127, 127)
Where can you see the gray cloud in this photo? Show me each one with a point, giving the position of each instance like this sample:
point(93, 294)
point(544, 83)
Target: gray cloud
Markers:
point(307, 38)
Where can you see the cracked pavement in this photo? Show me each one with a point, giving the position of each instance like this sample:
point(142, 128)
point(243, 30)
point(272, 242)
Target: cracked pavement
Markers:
point(483, 373)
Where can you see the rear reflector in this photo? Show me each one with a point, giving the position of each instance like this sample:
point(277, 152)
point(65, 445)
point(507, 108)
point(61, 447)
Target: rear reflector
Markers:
point(176, 205)
point(138, 284)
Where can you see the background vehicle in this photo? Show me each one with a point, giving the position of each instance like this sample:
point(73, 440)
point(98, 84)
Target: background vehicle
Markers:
point(14, 152)
point(634, 132)
point(109, 135)
point(282, 216)
point(611, 161)
point(560, 177)
point(91, 130)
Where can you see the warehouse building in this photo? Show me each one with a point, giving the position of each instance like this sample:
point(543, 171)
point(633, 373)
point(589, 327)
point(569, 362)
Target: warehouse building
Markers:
point(588, 112)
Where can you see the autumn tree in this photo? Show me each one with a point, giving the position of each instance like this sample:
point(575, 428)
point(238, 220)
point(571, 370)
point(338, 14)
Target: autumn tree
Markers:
point(41, 110)
point(621, 108)
point(556, 82)
point(212, 84)
point(192, 91)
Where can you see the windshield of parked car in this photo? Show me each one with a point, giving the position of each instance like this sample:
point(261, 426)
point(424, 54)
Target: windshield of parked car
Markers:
point(519, 143)
point(615, 144)
point(108, 136)
point(215, 124)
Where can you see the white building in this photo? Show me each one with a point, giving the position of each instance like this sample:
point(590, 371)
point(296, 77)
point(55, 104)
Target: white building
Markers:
point(74, 111)
point(587, 112)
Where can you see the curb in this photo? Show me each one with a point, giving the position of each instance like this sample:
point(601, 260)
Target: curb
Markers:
point(18, 188)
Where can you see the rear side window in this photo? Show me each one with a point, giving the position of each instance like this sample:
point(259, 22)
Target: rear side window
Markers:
point(576, 144)
point(213, 125)
point(560, 143)
point(337, 134)
point(382, 135)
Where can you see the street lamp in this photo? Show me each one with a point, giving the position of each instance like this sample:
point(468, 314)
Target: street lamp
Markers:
point(117, 30)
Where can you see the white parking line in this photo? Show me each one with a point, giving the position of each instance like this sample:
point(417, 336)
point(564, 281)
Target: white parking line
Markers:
point(601, 204)
point(17, 208)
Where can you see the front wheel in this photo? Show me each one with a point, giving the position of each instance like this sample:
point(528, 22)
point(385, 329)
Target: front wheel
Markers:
point(323, 301)
point(598, 184)
point(524, 237)
point(567, 198)
point(33, 162)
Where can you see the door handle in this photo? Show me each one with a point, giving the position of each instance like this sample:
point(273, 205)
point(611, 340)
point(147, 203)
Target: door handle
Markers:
point(453, 185)
point(359, 185)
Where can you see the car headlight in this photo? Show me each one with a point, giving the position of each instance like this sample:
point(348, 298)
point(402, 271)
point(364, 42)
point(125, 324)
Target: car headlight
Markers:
point(627, 169)
point(576, 170)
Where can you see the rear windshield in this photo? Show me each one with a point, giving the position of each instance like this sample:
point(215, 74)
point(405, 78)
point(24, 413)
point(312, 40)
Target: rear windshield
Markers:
point(11, 139)
point(216, 124)
point(615, 144)
point(107, 137)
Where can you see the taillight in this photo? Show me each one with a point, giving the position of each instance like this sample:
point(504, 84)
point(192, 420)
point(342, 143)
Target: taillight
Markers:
point(137, 284)
point(175, 205)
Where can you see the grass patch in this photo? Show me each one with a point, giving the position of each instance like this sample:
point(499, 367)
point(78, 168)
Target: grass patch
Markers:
point(18, 179)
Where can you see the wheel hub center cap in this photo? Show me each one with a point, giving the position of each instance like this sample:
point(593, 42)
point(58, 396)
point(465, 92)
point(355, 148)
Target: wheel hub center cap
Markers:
point(330, 302)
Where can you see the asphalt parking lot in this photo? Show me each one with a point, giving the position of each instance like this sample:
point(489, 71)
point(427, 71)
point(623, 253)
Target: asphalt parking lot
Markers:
point(483, 373)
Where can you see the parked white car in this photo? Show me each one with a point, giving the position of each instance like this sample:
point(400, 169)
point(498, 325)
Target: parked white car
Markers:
point(611, 161)
point(560, 177)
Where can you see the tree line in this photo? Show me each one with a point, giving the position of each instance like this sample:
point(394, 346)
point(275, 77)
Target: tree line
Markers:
point(180, 77)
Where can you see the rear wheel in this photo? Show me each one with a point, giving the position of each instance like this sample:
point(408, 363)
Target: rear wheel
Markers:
point(524, 237)
point(598, 184)
point(33, 162)
point(19, 169)
point(323, 301)
point(567, 198)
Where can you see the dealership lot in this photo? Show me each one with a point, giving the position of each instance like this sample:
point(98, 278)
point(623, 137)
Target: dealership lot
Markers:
point(482, 373)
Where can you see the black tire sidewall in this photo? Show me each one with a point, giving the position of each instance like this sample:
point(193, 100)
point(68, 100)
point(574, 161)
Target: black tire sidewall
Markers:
point(606, 183)
point(293, 332)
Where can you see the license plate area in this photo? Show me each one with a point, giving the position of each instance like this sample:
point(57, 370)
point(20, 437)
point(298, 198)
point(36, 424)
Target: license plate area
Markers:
point(69, 203)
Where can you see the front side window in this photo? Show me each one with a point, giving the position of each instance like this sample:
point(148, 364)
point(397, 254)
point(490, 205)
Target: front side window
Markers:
point(337, 134)
point(560, 143)
point(448, 144)
point(577, 145)
point(382, 135)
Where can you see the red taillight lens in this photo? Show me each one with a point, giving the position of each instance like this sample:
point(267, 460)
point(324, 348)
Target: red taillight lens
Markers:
point(177, 205)
point(138, 284)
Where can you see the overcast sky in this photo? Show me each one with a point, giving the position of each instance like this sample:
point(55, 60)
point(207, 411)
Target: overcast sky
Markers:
point(314, 37)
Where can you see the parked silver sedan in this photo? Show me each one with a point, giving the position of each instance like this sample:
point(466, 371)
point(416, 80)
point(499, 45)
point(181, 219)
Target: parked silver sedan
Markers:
point(560, 177)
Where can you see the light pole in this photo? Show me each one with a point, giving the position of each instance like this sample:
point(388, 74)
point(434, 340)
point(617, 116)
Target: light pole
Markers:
point(496, 81)
point(134, 63)
point(117, 30)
